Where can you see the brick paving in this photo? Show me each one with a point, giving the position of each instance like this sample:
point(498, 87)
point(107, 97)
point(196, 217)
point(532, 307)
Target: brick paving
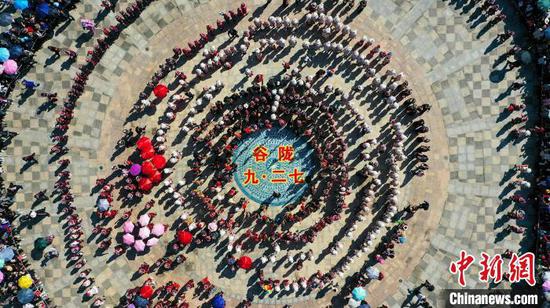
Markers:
point(446, 63)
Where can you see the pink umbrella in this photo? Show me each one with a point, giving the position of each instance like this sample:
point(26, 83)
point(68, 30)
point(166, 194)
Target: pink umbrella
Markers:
point(128, 226)
point(144, 232)
point(152, 241)
point(10, 67)
point(144, 220)
point(139, 245)
point(158, 229)
point(128, 239)
point(546, 286)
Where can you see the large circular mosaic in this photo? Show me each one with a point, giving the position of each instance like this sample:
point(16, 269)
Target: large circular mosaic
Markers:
point(273, 166)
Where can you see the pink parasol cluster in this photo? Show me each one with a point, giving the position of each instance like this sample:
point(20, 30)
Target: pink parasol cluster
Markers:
point(143, 233)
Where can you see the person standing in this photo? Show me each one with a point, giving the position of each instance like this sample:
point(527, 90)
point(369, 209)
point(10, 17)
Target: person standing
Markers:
point(30, 84)
point(233, 33)
point(56, 51)
point(30, 159)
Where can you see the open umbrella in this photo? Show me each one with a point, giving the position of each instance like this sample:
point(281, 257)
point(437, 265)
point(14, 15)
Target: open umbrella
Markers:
point(546, 286)
point(25, 296)
point(147, 153)
point(141, 302)
point(128, 239)
point(16, 51)
point(145, 184)
point(144, 220)
point(42, 10)
point(4, 54)
point(544, 4)
point(353, 303)
point(373, 272)
point(21, 4)
point(158, 229)
point(245, 262)
point(10, 67)
point(144, 232)
point(41, 243)
point(218, 301)
point(135, 170)
point(526, 57)
point(143, 143)
point(364, 306)
point(359, 294)
point(185, 237)
point(152, 241)
point(128, 226)
point(2, 263)
point(7, 253)
point(5, 19)
point(158, 161)
point(160, 91)
point(148, 169)
point(139, 245)
point(146, 291)
point(212, 226)
point(103, 205)
point(1, 276)
point(156, 177)
point(25, 281)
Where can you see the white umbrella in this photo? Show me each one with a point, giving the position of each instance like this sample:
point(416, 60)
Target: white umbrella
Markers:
point(373, 273)
point(144, 232)
point(158, 230)
point(353, 303)
point(212, 226)
point(152, 241)
point(144, 220)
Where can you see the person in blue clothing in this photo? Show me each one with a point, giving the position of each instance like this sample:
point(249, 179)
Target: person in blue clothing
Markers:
point(30, 84)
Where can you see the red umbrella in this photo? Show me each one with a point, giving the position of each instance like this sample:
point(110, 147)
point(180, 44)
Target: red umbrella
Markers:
point(159, 161)
point(148, 168)
point(160, 90)
point(143, 143)
point(185, 237)
point(145, 184)
point(147, 153)
point(146, 292)
point(245, 262)
point(156, 177)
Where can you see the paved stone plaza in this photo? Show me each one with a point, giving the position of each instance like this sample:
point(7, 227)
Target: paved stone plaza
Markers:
point(451, 59)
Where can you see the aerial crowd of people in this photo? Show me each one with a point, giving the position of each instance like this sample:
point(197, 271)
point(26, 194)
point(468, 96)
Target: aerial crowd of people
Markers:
point(311, 105)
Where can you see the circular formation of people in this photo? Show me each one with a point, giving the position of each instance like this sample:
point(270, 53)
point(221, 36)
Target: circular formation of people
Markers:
point(286, 185)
